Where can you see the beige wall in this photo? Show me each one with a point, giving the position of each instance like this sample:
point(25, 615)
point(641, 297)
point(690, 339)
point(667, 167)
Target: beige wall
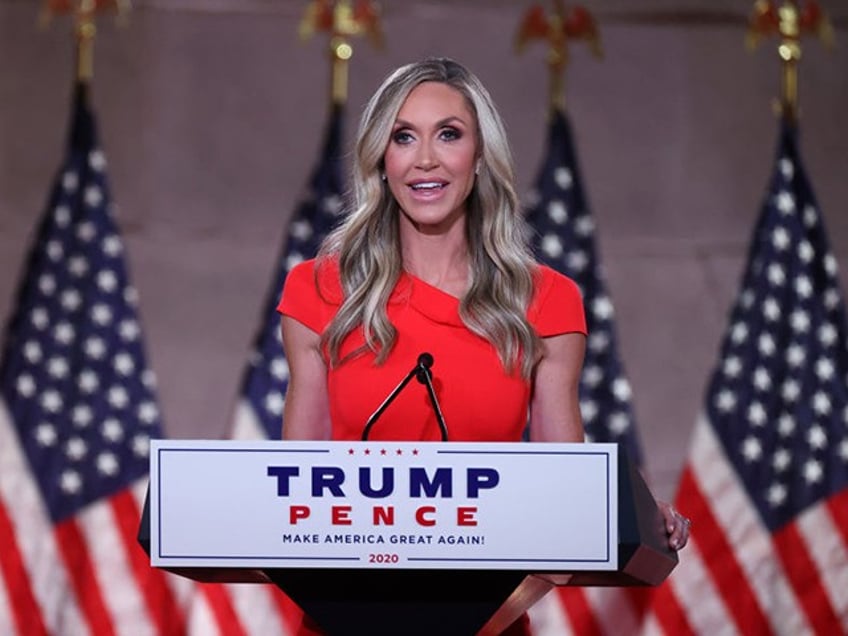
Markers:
point(211, 119)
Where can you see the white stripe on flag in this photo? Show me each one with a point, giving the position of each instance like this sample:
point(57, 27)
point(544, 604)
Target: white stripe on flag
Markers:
point(34, 534)
point(113, 571)
point(695, 590)
point(200, 620)
point(651, 627)
point(547, 617)
point(828, 551)
point(750, 540)
point(247, 425)
point(256, 609)
point(6, 621)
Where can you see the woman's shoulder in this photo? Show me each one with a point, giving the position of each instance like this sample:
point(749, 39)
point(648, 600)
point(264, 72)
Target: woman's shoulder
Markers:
point(557, 305)
point(547, 279)
point(321, 274)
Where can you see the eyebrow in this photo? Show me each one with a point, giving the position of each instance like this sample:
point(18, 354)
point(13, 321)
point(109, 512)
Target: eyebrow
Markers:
point(402, 123)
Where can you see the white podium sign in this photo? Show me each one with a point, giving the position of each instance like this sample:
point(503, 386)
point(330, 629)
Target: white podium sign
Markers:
point(405, 505)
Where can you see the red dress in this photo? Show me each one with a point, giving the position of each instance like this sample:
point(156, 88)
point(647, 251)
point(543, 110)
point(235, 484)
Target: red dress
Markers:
point(478, 398)
point(480, 401)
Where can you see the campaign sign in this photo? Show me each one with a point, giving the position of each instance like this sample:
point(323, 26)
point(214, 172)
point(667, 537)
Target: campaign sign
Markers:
point(426, 505)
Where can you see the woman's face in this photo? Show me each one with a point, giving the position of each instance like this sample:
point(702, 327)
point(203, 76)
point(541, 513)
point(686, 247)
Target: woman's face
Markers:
point(431, 156)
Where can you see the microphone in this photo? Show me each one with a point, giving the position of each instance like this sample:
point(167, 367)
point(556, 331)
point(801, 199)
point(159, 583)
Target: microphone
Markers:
point(421, 371)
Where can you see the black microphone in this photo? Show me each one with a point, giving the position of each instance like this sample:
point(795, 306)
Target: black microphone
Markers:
point(421, 371)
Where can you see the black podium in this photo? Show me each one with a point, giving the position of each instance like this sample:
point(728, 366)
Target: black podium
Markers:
point(459, 601)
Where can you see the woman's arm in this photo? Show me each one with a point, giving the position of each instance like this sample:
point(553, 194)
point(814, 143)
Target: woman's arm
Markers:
point(307, 411)
point(554, 405)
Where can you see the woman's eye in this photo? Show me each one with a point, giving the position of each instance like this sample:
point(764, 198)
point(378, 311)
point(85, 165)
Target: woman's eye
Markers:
point(450, 134)
point(401, 137)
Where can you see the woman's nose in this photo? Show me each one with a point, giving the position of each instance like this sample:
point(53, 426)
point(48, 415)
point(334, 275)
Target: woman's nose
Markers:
point(427, 158)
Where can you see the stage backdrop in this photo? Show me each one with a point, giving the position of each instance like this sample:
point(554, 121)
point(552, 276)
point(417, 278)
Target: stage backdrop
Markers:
point(211, 117)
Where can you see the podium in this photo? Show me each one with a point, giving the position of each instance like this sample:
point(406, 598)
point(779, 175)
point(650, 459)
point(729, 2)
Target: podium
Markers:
point(385, 538)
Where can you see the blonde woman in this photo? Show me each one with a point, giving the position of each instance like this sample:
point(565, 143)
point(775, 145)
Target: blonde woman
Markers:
point(432, 257)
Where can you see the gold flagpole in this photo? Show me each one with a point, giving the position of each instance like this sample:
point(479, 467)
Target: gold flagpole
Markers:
point(84, 12)
point(788, 21)
point(342, 20)
point(558, 28)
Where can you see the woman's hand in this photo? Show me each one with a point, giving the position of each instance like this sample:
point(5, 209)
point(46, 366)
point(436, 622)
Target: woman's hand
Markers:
point(676, 525)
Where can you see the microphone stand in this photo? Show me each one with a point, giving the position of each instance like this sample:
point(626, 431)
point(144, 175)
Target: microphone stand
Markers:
point(421, 371)
point(387, 401)
point(425, 377)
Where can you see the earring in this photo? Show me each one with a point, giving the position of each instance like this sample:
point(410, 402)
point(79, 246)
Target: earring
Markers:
point(477, 168)
point(383, 176)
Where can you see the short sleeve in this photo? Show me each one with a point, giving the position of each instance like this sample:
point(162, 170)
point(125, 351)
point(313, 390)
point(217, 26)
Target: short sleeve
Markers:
point(309, 295)
point(557, 305)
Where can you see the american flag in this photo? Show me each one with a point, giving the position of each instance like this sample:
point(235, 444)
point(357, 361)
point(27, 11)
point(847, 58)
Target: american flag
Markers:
point(243, 609)
point(564, 239)
point(766, 481)
point(78, 407)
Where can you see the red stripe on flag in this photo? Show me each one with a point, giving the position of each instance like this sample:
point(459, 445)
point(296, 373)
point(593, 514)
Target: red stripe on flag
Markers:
point(804, 578)
point(838, 507)
point(639, 598)
point(23, 605)
point(719, 558)
point(579, 612)
point(80, 570)
point(158, 596)
point(221, 605)
point(288, 610)
point(669, 613)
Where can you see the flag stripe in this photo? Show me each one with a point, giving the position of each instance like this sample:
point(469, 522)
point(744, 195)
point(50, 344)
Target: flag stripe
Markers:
point(617, 609)
point(111, 568)
point(255, 606)
point(289, 610)
point(670, 614)
point(838, 507)
point(691, 599)
point(579, 611)
point(221, 606)
point(804, 578)
point(547, 617)
point(20, 598)
point(200, 619)
point(829, 548)
point(45, 578)
point(159, 599)
point(246, 425)
point(80, 566)
point(760, 575)
point(739, 599)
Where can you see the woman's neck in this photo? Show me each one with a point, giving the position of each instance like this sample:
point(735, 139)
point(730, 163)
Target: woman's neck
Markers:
point(439, 261)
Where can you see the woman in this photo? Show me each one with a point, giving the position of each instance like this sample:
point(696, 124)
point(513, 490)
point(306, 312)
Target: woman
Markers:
point(433, 257)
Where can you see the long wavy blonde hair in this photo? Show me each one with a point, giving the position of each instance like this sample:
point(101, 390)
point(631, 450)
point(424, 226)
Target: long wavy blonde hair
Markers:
point(367, 243)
